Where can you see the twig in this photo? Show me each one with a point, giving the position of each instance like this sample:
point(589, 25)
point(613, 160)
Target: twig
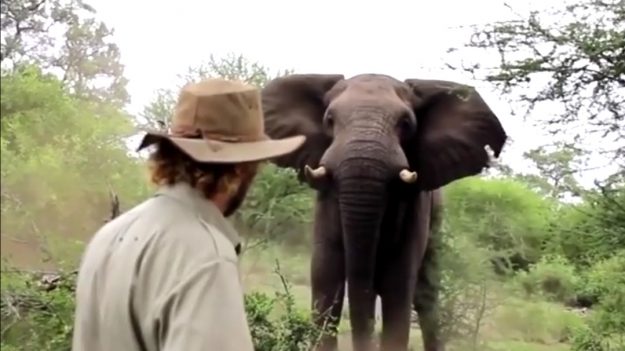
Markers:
point(285, 284)
point(114, 204)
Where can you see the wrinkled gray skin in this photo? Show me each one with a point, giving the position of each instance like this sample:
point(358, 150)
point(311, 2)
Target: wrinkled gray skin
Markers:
point(372, 227)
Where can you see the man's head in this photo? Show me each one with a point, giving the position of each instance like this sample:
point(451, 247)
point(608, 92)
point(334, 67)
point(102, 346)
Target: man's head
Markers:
point(224, 184)
point(216, 141)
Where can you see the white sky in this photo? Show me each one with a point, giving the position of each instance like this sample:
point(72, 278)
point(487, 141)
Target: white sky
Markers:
point(402, 38)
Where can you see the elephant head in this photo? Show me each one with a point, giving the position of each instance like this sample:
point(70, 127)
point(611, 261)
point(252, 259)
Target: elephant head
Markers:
point(367, 137)
point(424, 132)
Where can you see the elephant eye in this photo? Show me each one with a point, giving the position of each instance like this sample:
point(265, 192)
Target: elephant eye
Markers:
point(406, 126)
point(328, 121)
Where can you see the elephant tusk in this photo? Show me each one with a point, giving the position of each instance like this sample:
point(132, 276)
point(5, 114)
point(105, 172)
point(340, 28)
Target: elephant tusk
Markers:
point(315, 173)
point(407, 176)
point(491, 155)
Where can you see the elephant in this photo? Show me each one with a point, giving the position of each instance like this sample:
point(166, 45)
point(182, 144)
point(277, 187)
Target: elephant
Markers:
point(377, 153)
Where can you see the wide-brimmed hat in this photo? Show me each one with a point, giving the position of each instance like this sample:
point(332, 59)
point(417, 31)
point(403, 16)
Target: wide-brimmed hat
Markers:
point(220, 121)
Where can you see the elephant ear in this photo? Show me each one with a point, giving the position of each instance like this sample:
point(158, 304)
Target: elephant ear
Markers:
point(454, 127)
point(296, 104)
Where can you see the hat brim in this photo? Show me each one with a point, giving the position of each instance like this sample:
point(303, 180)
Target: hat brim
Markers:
point(213, 151)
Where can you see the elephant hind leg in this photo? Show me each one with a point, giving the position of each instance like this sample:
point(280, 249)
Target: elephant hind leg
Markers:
point(426, 300)
point(426, 295)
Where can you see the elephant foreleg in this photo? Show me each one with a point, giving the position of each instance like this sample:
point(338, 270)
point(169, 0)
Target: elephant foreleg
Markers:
point(327, 276)
point(396, 300)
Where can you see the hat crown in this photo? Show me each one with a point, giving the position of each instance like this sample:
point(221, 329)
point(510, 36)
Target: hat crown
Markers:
point(219, 109)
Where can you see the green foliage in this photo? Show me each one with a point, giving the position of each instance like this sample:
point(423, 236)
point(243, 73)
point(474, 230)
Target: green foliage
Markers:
point(604, 278)
point(278, 207)
point(63, 149)
point(276, 323)
point(65, 37)
point(534, 320)
point(574, 51)
point(466, 284)
point(60, 154)
point(593, 230)
point(501, 214)
point(556, 169)
point(231, 66)
point(38, 316)
point(235, 67)
point(588, 339)
point(552, 277)
point(35, 319)
point(606, 282)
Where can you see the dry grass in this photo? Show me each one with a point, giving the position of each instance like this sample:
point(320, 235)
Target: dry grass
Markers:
point(515, 325)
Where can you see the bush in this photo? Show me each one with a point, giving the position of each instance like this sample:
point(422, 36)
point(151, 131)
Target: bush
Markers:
point(60, 157)
point(278, 206)
point(604, 278)
point(591, 231)
point(291, 330)
point(588, 339)
point(502, 215)
point(552, 277)
point(535, 321)
point(466, 286)
point(38, 314)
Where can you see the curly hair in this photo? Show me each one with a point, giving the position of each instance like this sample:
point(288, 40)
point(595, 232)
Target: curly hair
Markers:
point(169, 165)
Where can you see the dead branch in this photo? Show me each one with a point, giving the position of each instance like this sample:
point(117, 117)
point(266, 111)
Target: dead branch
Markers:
point(114, 205)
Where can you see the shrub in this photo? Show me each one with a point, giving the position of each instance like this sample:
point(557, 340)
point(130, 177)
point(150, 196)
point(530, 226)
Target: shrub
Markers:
point(38, 316)
point(591, 231)
point(276, 323)
point(588, 339)
point(535, 321)
point(278, 207)
point(502, 215)
point(552, 277)
point(604, 282)
point(604, 278)
point(466, 284)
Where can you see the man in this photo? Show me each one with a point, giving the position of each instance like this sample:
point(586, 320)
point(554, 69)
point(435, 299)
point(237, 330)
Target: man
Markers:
point(164, 276)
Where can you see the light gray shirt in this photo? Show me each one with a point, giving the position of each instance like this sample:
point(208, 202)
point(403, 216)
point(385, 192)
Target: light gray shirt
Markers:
point(162, 276)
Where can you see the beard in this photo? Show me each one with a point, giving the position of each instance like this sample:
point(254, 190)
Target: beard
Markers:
point(236, 200)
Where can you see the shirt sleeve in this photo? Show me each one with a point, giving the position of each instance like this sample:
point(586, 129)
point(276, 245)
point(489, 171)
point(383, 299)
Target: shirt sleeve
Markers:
point(205, 311)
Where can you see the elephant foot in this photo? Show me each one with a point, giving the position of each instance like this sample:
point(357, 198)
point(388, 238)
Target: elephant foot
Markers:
point(434, 346)
point(365, 344)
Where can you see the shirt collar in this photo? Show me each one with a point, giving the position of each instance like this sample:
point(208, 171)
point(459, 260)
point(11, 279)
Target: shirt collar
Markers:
point(204, 208)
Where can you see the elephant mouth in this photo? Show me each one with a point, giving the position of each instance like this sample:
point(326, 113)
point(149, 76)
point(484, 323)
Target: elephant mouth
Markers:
point(321, 175)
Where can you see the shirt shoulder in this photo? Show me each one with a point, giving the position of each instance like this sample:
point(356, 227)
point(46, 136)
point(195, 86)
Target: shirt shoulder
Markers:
point(178, 226)
point(166, 224)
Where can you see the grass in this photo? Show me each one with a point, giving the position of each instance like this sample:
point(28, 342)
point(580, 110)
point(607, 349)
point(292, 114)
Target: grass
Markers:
point(514, 325)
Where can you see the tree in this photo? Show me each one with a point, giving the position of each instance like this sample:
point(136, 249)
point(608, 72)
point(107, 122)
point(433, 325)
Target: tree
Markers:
point(579, 59)
point(261, 212)
point(63, 129)
point(60, 157)
point(232, 66)
point(556, 166)
point(592, 230)
point(84, 56)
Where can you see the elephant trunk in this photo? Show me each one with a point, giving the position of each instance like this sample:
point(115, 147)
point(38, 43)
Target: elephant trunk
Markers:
point(362, 201)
